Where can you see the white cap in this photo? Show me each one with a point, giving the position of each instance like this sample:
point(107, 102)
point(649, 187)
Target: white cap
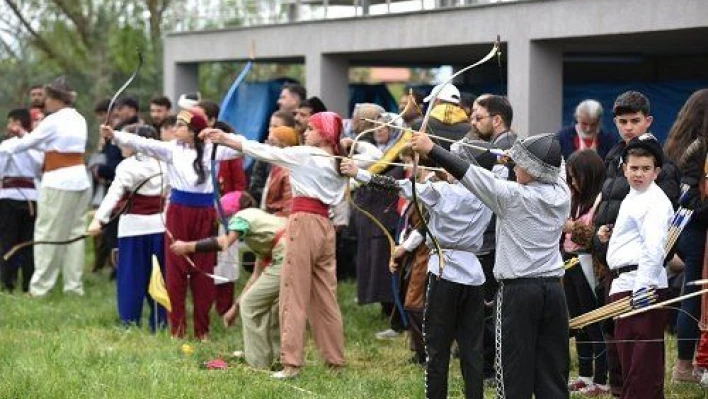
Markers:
point(189, 100)
point(448, 92)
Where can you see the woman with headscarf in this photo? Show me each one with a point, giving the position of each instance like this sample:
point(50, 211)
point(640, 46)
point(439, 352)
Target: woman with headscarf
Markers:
point(308, 285)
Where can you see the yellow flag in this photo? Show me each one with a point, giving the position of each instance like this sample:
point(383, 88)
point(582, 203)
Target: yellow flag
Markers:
point(157, 286)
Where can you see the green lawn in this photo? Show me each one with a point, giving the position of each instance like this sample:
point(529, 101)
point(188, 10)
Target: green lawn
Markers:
point(70, 347)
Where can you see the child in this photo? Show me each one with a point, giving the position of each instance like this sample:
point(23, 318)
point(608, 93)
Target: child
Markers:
point(18, 202)
point(454, 309)
point(190, 215)
point(140, 229)
point(636, 259)
point(263, 233)
point(585, 172)
point(532, 320)
point(308, 287)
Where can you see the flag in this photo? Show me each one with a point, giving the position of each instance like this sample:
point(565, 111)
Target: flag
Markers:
point(157, 289)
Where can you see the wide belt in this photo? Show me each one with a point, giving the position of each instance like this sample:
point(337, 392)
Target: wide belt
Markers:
point(54, 160)
point(17, 182)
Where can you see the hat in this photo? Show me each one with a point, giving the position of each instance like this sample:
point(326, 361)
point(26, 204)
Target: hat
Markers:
point(476, 156)
point(231, 203)
point(59, 89)
point(188, 100)
point(647, 142)
point(444, 92)
point(286, 134)
point(539, 155)
point(194, 118)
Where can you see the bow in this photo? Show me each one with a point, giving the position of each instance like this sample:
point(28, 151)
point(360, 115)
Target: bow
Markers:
point(129, 201)
point(226, 103)
point(125, 86)
point(423, 128)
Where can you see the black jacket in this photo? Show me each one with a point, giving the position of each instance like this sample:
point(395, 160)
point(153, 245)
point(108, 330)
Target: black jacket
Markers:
point(616, 188)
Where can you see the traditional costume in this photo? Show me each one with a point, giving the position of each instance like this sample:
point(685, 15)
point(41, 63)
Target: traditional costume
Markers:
point(531, 316)
point(636, 259)
point(308, 285)
point(137, 186)
point(18, 204)
point(64, 194)
point(190, 217)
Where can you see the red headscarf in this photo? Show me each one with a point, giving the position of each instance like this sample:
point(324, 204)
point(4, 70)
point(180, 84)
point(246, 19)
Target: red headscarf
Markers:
point(329, 125)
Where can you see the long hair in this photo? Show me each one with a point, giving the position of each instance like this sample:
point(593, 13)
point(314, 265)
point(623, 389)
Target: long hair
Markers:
point(691, 124)
point(198, 163)
point(586, 170)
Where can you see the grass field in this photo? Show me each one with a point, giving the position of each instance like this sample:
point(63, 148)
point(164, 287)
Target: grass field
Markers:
point(66, 347)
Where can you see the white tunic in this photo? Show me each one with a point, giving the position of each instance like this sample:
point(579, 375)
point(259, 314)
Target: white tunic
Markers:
point(458, 220)
point(130, 173)
point(313, 173)
point(179, 158)
point(63, 131)
point(638, 238)
point(27, 164)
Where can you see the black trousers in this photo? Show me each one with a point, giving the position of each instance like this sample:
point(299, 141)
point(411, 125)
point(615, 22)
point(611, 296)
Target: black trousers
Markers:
point(590, 342)
point(490, 293)
point(108, 242)
point(16, 226)
point(532, 333)
point(453, 312)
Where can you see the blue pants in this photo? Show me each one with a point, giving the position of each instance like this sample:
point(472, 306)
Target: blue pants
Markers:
point(133, 277)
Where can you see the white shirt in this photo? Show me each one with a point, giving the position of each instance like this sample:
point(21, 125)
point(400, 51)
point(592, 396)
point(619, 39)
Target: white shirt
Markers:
point(130, 173)
point(179, 158)
point(638, 238)
point(458, 220)
point(530, 219)
point(63, 131)
point(313, 173)
point(26, 164)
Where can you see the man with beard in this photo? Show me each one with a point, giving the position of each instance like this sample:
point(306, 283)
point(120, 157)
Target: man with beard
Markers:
point(159, 110)
point(587, 132)
point(304, 111)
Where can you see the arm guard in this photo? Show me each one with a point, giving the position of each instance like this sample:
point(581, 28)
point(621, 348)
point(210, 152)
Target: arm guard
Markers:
point(210, 244)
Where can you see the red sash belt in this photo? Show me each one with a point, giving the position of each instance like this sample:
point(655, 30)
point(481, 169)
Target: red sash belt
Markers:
point(310, 205)
point(17, 182)
point(145, 205)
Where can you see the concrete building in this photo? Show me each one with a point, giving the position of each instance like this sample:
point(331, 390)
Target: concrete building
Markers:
point(544, 43)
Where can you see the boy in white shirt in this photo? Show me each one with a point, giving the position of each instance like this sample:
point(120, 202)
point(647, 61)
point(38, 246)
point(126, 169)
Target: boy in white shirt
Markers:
point(636, 258)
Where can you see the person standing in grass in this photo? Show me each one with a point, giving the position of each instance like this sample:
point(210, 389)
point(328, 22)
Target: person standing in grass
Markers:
point(65, 191)
point(190, 215)
point(454, 308)
point(308, 285)
point(141, 232)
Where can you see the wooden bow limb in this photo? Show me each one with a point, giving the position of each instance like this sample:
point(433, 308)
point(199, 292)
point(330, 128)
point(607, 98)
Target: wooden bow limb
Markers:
point(120, 91)
point(661, 304)
point(9, 254)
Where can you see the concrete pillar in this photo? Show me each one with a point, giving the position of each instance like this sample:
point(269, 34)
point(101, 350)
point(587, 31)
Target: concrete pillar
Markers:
point(535, 73)
point(180, 78)
point(327, 76)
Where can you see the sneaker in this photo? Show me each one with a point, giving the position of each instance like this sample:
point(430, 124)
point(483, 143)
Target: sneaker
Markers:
point(577, 384)
point(286, 374)
point(387, 335)
point(595, 390)
point(240, 355)
point(679, 376)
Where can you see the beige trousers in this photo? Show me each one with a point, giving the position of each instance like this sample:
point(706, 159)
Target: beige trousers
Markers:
point(259, 318)
point(308, 291)
point(60, 216)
